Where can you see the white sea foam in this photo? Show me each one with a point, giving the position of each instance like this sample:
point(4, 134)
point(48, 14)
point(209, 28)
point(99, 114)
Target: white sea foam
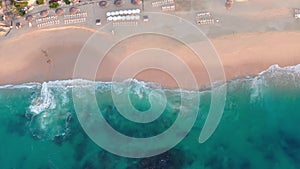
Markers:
point(138, 90)
point(87, 83)
point(277, 69)
point(26, 85)
point(275, 76)
point(274, 70)
point(45, 101)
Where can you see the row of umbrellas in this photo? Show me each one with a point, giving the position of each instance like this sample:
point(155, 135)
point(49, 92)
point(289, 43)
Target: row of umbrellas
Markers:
point(123, 12)
point(103, 3)
point(123, 18)
point(58, 11)
point(118, 3)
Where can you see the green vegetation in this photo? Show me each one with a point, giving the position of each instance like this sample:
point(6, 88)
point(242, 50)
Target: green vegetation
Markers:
point(20, 4)
point(40, 2)
point(54, 5)
point(22, 12)
point(19, 7)
point(67, 2)
point(1, 4)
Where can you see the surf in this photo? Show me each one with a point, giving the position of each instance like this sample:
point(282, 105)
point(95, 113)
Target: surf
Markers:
point(260, 117)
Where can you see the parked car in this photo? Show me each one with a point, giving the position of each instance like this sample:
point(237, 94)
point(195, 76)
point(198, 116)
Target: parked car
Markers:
point(145, 18)
point(98, 22)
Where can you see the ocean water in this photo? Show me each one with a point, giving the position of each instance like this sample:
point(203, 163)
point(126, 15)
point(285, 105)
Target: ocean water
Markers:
point(259, 128)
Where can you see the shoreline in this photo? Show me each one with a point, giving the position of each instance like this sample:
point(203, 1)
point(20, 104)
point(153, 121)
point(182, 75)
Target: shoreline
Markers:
point(242, 55)
point(205, 86)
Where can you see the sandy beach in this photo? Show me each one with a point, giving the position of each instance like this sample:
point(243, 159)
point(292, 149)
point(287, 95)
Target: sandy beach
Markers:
point(48, 55)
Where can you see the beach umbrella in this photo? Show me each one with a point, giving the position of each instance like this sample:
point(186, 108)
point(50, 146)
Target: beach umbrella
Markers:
point(18, 25)
point(59, 11)
point(29, 18)
point(114, 18)
point(117, 12)
point(112, 13)
point(228, 4)
point(137, 17)
point(132, 17)
point(8, 15)
point(44, 13)
point(121, 12)
point(103, 4)
point(138, 11)
point(108, 14)
point(129, 12)
point(119, 18)
point(136, 2)
point(128, 17)
point(109, 18)
point(118, 3)
point(123, 18)
point(74, 10)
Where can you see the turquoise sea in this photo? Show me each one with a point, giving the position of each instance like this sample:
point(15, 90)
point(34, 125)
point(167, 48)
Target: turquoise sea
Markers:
point(259, 128)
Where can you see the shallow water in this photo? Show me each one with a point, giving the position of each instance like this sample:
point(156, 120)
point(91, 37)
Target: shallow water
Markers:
point(259, 128)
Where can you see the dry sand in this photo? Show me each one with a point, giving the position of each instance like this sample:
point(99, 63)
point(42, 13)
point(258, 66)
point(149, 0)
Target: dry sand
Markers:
point(26, 58)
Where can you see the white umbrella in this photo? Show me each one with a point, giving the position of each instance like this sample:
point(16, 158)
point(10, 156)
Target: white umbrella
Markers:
point(112, 13)
point(133, 11)
point(114, 18)
point(108, 14)
point(121, 12)
point(128, 17)
point(117, 12)
point(119, 17)
point(109, 18)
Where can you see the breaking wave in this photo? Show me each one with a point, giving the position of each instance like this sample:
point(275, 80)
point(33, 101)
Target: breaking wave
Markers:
point(50, 110)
